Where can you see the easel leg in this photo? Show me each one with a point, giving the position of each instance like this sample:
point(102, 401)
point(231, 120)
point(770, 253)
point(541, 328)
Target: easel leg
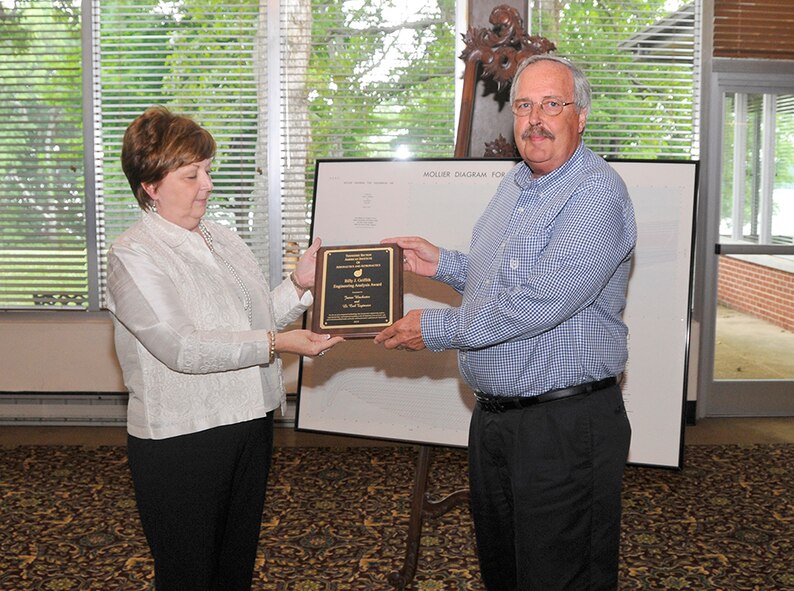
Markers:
point(422, 507)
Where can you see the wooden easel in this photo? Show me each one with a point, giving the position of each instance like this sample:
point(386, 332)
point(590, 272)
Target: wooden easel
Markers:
point(495, 54)
point(422, 507)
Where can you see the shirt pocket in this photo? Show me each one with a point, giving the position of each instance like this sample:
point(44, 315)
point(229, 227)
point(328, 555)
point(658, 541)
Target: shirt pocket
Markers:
point(521, 254)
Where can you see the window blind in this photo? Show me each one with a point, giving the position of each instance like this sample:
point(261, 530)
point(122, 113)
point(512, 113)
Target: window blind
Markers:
point(43, 262)
point(760, 29)
point(355, 79)
point(369, 79)
point(641, 59)
point(197, 58)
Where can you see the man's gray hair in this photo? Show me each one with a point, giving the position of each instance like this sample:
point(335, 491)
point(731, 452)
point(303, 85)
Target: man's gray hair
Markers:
point(581, 86)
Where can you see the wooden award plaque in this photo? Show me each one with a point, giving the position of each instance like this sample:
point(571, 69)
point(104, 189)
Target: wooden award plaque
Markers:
point(358, 290)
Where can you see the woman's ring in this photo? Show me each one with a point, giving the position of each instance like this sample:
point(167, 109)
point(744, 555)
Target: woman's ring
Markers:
point(321, 353)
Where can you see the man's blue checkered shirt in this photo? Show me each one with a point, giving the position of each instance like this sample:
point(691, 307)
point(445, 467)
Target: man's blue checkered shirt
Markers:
point(544, 282)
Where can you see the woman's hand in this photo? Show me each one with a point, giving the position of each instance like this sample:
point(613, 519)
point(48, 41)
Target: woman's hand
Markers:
point(419, 255)
point(305, 342)
point(303, 275)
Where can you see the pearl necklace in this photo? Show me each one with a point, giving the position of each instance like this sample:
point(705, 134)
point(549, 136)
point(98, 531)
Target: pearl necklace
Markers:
point(246, 296)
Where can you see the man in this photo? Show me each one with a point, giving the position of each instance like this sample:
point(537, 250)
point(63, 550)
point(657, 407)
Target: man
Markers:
point(542, 342)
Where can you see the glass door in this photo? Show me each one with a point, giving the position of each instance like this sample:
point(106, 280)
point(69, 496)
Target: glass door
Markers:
point(753, 349)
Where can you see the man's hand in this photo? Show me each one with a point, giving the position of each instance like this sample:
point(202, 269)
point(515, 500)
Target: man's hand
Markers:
point(406, 333)
point(419, 255)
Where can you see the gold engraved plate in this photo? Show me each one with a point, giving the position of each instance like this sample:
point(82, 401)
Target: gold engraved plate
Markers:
point(358, 289)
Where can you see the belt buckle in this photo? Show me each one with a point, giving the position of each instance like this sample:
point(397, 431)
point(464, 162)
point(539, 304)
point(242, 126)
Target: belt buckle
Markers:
point(489, 403)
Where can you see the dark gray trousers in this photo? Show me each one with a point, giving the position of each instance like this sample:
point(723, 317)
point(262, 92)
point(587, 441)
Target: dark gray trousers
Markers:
point(545, 493)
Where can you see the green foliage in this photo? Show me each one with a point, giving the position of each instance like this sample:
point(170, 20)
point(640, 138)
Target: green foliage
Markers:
point(388, 80)
point(635, 80)
point(195, 57)
point(40, 126)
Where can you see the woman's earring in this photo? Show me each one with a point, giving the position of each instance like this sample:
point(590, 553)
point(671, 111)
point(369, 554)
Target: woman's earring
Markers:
point(153, 206)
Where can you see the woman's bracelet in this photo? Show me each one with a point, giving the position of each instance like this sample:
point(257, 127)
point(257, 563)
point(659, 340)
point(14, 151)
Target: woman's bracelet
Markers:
point(271, 338)
point(297, 285)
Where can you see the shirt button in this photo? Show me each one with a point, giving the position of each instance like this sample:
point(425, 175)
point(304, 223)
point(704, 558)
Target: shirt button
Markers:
point(514, 264)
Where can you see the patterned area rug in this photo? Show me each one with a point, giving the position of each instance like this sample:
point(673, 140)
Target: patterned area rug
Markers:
point(336, 520)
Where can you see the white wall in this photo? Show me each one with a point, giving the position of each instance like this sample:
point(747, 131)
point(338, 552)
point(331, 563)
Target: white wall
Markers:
point(69, 352)
point(72, 352)
point(58, 352)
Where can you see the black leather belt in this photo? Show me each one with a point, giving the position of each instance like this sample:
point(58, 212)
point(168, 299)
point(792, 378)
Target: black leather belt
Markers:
point(491, 403)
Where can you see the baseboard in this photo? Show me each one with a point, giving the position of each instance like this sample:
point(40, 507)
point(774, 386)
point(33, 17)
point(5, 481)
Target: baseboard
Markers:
point(103, 409)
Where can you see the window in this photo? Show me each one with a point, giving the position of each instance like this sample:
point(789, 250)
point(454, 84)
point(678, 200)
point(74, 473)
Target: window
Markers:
point(42, 210)
point(279, 84)
point(640, 58)
point(373, 78)
point(758, 168)
point(195, 57)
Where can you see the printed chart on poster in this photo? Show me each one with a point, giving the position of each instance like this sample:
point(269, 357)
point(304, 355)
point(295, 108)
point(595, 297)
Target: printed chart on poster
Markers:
point(360, 389)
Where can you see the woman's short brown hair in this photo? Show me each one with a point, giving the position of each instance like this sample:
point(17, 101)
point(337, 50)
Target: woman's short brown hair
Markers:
point(158, 142)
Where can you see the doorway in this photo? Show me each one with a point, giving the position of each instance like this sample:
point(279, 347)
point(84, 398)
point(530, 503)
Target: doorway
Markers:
point(749, 318)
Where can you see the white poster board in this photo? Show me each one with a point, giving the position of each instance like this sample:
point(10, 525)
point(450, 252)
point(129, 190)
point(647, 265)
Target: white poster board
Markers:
point(361, 389)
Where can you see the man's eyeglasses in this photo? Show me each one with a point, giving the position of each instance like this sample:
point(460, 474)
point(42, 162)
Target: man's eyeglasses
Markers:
point(550, 106)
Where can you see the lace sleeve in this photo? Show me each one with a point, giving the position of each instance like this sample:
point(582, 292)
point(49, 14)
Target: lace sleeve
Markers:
point(145, 300)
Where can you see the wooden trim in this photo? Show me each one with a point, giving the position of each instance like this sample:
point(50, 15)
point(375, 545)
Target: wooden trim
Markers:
point(759, 29)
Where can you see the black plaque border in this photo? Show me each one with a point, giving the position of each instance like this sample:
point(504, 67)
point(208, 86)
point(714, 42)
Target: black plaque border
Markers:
point(361, 330)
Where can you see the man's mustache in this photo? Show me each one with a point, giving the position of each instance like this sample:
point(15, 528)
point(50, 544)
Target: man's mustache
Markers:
point(536, 130)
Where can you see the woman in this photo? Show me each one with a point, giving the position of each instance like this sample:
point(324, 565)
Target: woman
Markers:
point(196, 336)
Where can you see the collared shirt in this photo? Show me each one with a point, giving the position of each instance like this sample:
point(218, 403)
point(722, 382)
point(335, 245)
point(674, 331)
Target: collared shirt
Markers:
point(190, 359)
point(544, 282)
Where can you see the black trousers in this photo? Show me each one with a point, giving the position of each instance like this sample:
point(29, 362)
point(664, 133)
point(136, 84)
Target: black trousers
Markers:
point(545, 493)
point(200, 498)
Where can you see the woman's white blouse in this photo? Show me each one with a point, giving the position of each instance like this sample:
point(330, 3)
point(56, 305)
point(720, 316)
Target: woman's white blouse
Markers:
point(189, 357)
